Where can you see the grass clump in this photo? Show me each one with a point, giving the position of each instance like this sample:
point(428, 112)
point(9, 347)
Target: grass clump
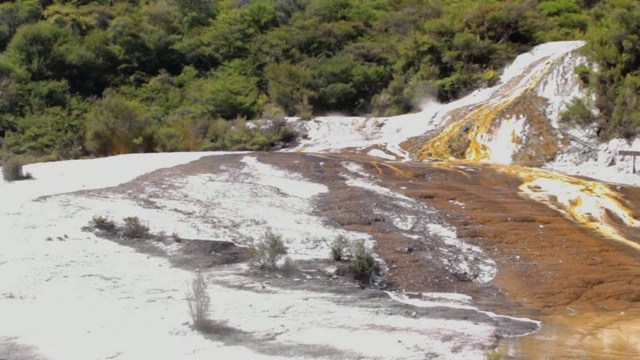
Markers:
point(134, 229)
point(269, 250)
point(12, 170)
point(198, 300)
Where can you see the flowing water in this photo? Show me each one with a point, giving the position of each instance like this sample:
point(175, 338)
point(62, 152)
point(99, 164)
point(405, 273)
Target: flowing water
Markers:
point(574, 252)
point(593, 204)
point(581, 336)
point(567, 247)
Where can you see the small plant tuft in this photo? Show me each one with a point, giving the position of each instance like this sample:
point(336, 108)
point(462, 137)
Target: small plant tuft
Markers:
point(103, 223)
point(362, 263)
point(198, 300)
point(12, 170)
point(339, 248)
point(269, 250)
point(134, 229)
point(494, 355)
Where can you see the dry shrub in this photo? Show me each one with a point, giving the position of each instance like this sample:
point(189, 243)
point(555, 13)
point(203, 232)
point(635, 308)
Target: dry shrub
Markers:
point(103, 223)
point(12, 170)
point(339, 248)
point(198, 300)
point(134, 229)
point(289, 268)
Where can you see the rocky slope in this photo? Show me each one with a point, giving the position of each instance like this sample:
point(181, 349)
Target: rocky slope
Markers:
point(515, 121)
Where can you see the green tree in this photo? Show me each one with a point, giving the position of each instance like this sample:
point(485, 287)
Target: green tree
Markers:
point(224, 94)
point(15, 14)
point(195, 13)
point(117, 125)
point(54, 134)
point(614, 45)
point(37, 47)
point(287, 85)
point(179, 66)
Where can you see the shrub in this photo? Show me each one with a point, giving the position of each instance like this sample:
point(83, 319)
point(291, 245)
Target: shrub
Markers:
point(583, 72)
point(198, 300)
point(495, 355)
point(289, 268)
point(103, 223)
point(286, 134)
point(362, 263)
point(118, 125)
point(169, 139)
point(274, 113)
point(304, 110)
point(339, 248)
point(269, 250)
point(12, 170)
point(577, 113)
point(134, 229)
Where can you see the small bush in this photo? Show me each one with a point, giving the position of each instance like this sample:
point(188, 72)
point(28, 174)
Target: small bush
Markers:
point(495, 355)
point(577, 113)
point(289, 268)
point(362, 263)
point(304, 109)
point(12, 170)
point(103, 223)
point(134, 229)
point(286, 135)
point(339, 248)
point(274, 113)
point(269, 250)
point(169, 139)
point(583, 72)
point(198, 300)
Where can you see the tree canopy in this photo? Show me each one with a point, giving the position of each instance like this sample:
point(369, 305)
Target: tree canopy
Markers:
point(101, 77)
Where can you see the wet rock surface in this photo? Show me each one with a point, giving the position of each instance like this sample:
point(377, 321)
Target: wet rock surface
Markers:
point(549, 267)
point(417, 252)
point(537, 252)
point(394, 221)
point(437, 227)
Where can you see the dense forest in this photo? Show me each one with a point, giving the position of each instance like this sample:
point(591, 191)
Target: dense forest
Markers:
point(92, 78)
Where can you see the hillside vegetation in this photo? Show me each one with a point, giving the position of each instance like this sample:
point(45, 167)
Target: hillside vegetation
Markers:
point(103, 77)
